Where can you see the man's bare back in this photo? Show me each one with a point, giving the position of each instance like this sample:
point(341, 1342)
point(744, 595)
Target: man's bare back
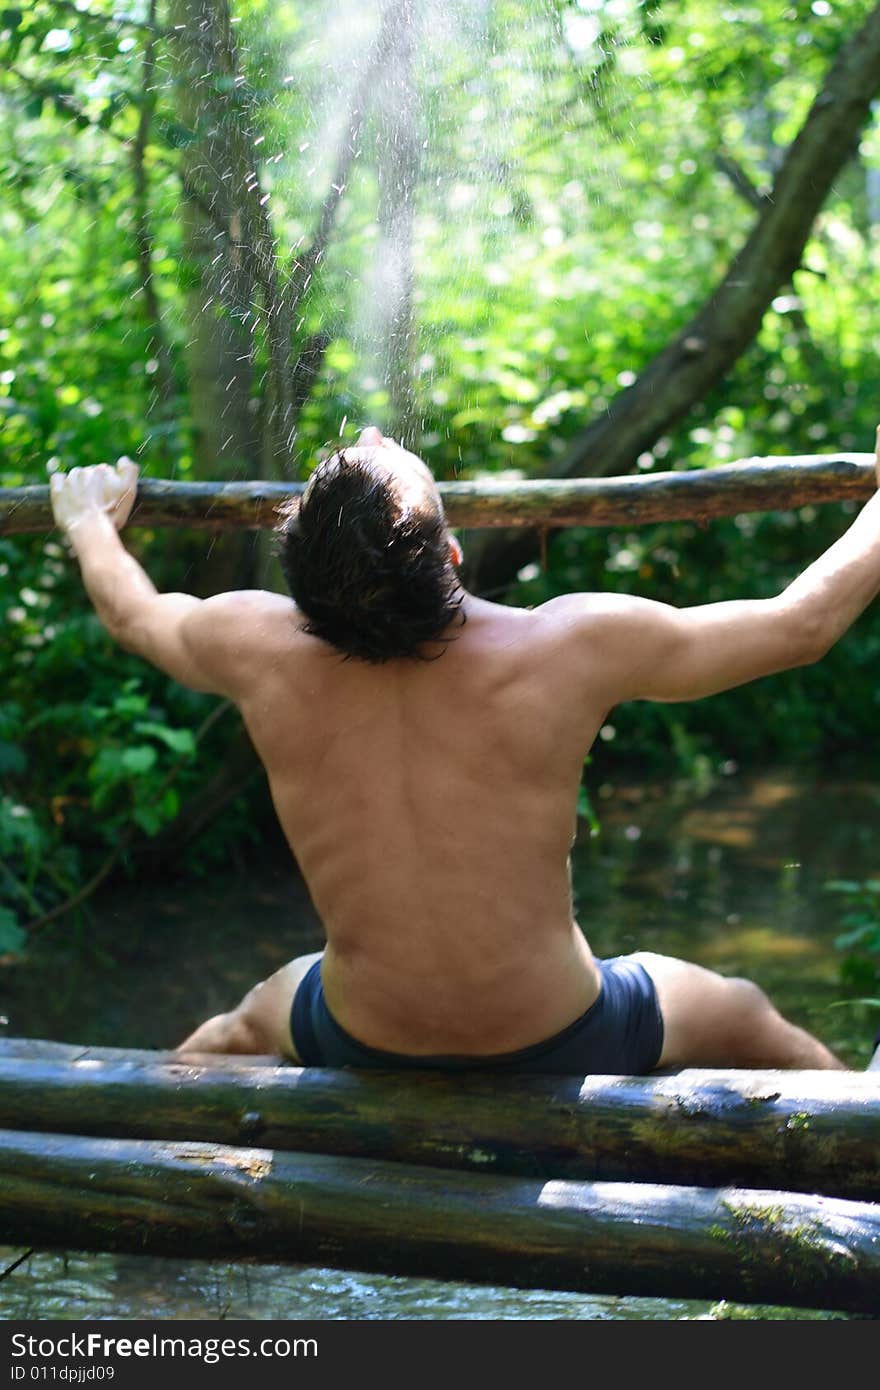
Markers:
point(431, 804)
point(431, 808)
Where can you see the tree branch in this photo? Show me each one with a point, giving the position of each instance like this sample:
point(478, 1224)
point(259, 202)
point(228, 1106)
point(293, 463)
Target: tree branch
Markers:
point(702, 351)
point(812, 355)
point(763, 485)
point(737, 176)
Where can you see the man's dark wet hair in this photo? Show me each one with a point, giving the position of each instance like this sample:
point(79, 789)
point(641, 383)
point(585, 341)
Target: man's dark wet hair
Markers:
point(370, 576)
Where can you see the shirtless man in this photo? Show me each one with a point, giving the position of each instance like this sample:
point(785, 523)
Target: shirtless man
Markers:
point(427, 784)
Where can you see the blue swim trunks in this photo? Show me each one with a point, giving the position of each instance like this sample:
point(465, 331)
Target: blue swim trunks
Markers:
point(621, 1034)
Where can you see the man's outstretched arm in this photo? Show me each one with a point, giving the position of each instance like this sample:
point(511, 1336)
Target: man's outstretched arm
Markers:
point(200, 642)
point(639, 649)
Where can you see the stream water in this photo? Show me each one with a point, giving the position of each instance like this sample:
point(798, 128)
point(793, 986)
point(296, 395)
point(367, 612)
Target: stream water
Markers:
point(732, 875)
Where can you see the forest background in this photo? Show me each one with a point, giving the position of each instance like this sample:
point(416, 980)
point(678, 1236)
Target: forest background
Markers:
point(529, 239)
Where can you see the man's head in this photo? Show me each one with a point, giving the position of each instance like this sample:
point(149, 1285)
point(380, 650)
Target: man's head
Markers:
point(367, 555)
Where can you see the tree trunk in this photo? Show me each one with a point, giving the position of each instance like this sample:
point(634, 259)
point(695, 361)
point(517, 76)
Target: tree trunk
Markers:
point(165, 394)
point(218, 214)
point(805, 1131)
point(211, 1201)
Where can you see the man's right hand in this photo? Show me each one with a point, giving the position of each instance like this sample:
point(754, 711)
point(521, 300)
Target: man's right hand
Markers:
point(102, 487)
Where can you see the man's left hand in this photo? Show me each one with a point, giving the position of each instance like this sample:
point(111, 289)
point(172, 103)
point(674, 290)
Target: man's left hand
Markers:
point(83, 492)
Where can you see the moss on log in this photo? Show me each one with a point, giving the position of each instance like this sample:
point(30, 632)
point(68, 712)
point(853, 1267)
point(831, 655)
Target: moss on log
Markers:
point(771, 484)
point(212, 1201)
point(802, 1131)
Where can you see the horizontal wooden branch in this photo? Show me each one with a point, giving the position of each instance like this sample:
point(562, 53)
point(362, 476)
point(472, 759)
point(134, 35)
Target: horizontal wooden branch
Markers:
point(804, 1131)
point(212, 1201)
point(750, 485)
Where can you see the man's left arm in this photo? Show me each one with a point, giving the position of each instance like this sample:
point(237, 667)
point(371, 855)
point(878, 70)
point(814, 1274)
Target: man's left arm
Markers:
point(191, 639)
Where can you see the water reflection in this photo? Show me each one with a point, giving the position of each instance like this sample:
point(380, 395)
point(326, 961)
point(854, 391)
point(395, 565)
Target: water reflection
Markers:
point(732, 877)
point(79, 1286)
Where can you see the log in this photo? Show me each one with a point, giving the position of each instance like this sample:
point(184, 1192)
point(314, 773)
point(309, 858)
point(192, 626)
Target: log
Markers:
point(803, 1131)
point(212, 1201)
point(772, 484)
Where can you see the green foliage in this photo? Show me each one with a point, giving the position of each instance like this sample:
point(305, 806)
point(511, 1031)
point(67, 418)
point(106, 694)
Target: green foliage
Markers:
point(860, 967)
point(585, 808)
point(130, 781)
point(97, 751)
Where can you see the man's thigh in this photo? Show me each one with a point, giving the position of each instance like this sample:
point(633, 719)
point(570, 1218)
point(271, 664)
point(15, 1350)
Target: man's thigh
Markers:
point(704, 1014)
point(267, 1007)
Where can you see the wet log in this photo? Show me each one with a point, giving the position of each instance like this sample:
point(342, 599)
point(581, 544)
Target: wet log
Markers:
point(211, 1201)
point(750, 485)
point(803, 1131)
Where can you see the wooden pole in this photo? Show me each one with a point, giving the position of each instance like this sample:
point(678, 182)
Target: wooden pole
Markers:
point(804, 1131)
point(211, 1201)
point(772, 484)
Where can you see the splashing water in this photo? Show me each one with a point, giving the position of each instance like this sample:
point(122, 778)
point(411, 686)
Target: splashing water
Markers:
point(394, 162)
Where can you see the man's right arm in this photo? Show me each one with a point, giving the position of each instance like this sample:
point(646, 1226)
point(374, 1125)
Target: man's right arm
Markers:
point(218, 645)
point(653, 651)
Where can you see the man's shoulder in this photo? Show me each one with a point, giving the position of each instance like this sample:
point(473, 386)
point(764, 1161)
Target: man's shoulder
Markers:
point(236, 636)
point(243, 620)
point(588, 610)
point(595, 637)
point(247, 607)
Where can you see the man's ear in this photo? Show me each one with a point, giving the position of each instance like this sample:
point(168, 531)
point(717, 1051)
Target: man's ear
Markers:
point(455, 551)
